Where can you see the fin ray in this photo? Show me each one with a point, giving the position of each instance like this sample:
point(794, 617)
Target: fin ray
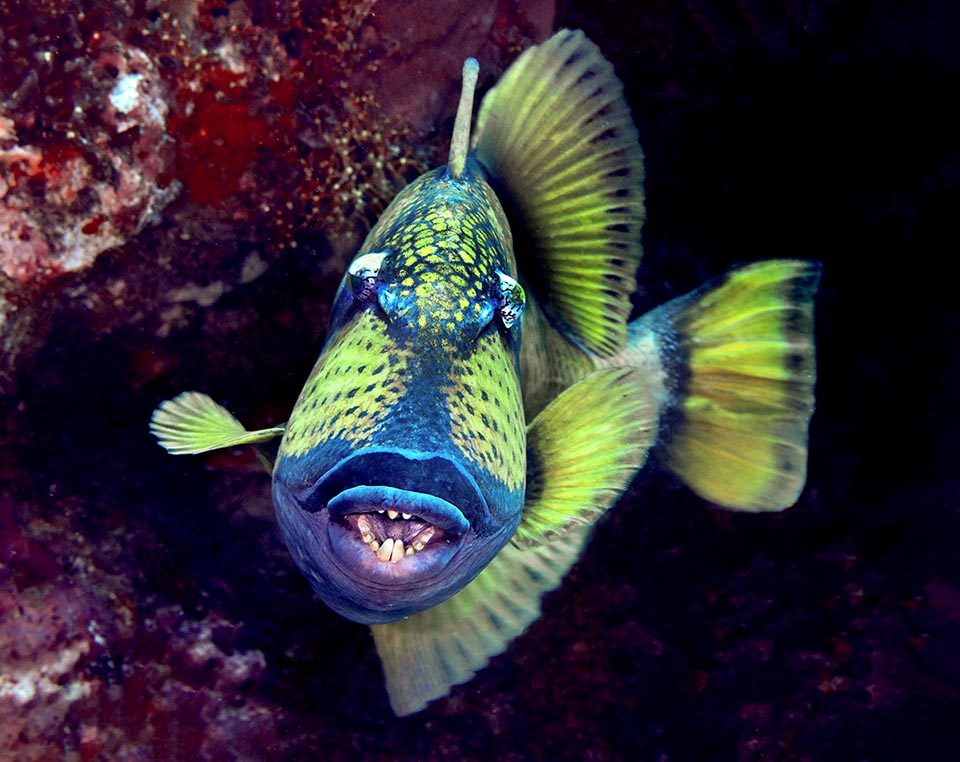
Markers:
point(428, 653)
point(557, 136)
point(192, 423)
point(744, 346)
point(583, 449)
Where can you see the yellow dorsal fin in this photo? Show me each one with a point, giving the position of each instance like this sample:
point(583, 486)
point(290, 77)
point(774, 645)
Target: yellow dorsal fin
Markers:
point(558, 141)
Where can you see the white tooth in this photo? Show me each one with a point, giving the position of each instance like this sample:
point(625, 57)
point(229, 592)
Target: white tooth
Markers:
point(380, 511)
point(424, 538)
point(407, 515)
point(397, 552)
point(410, 550)
point(366, 531)
point(385, 550)
point(374, 545)
point(392, 514)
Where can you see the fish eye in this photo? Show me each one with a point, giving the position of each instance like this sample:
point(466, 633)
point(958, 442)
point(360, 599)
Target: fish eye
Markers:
point(362, 275)
point(510, 300)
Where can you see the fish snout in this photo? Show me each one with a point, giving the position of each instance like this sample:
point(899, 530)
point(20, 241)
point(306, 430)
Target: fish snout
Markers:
point(386, 533)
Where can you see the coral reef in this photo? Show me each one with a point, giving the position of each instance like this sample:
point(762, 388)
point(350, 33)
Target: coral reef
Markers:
point(217, 125)
point(93, 668)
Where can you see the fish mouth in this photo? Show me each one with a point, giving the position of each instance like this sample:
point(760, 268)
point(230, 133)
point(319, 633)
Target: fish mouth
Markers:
point(397, 517)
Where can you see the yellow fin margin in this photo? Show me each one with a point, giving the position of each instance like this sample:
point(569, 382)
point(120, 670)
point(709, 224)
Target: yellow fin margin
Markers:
point(748, 339)
point(556, 134)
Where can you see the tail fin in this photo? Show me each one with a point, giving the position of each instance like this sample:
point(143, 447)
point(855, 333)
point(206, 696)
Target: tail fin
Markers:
point(738, 356)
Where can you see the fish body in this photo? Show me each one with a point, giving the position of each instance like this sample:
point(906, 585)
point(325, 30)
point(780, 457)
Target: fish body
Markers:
point(477, 408)
point(414, 407)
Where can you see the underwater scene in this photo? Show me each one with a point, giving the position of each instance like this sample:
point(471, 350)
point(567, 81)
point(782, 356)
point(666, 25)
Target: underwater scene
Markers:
point(510, 379)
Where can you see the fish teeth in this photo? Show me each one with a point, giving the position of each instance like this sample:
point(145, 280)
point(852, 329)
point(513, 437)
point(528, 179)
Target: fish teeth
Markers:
point(366, 531)
point(423, 538)
point(386, 550)
point(392, 549)
point(427, 534)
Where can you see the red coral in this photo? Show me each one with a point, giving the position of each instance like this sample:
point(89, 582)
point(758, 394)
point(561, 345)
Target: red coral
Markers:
point(219, 137)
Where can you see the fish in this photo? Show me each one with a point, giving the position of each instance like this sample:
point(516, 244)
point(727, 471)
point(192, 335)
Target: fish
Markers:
point(483, 397)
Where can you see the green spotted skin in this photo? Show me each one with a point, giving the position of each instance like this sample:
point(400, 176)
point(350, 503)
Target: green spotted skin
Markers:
point(350, 391)
point(425, 365)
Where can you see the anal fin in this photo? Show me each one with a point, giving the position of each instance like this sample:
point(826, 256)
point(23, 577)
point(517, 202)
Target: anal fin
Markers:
point(426, 654)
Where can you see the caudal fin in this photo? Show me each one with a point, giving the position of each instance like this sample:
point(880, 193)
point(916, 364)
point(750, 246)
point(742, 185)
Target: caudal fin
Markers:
point(738, 356)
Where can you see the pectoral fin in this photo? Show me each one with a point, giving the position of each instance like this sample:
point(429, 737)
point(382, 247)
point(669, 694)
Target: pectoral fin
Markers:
point(583, 450)
point(192, 423)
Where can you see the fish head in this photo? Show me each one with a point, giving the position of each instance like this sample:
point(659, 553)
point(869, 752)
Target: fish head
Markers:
point(402, 470)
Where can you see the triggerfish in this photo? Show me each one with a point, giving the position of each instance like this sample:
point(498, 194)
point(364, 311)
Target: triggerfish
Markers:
point(482, 397)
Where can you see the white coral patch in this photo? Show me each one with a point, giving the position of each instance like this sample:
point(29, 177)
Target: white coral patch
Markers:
point(43, 679)
point(125, 95)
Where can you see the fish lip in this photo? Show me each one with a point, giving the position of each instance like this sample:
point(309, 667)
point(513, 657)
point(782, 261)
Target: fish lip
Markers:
point(409, 471)
point(430, 508)
point(434, 488)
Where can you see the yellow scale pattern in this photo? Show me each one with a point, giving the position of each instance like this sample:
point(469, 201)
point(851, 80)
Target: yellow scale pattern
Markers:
point(443, 265)
point(350, 390)
point(486, 412)
point(440, 236)
point(441, 255)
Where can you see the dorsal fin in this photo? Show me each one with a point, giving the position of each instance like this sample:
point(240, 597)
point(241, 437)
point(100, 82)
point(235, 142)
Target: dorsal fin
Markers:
point(460, 141)
point(557, 138)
